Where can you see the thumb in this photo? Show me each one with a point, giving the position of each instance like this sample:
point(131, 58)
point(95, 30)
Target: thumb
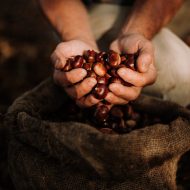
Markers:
point(143, 62)
point(115, 46)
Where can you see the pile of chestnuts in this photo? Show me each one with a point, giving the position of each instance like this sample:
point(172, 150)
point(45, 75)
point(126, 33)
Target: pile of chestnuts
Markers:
point(103, 67)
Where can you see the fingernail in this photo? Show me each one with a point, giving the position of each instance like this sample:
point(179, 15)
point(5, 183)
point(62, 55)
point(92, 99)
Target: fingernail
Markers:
point(83, 73)
point(92, 81)
point(122, 72)
point(112, 86)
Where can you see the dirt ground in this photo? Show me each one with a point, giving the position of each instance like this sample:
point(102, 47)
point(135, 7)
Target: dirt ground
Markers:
point(27, 40)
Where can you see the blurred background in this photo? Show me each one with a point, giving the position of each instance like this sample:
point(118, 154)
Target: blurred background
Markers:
point(27, 40)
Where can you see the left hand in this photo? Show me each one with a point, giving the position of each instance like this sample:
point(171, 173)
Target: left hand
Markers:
point(146, 72)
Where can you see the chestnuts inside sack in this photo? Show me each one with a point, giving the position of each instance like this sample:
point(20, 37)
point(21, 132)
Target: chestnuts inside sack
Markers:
point(103, 66)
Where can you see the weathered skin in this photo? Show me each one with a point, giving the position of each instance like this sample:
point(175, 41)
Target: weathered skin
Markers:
point(70, 20)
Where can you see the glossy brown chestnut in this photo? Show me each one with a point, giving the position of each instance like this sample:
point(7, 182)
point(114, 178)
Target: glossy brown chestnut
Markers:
point(91, 74)
point(102, 80)
point(131, 123)
point(90, 56)
point(87, 66)
point(113, 73)
point(99, 56)
point(99, 69)
point(130, 63)
point(128, 111)
point(108, 76)
point(101, 112)
point(117, 111)
point(100, 91)
point(78, 62)
point(102, 57)
point(122, 124)
point(114, 59)
point(123, 58)
point(68, 65)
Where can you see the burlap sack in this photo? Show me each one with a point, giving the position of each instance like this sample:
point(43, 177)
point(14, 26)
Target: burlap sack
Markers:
point(45, 154)
point(5, 181)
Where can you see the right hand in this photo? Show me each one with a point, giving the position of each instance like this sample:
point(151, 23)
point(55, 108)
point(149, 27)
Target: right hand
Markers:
point(70, 81)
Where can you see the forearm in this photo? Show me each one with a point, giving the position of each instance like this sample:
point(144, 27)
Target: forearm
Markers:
point(148, 17)
point(70, 19)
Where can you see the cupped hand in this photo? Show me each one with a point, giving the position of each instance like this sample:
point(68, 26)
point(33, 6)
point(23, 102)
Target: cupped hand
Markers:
point(72, 81)
point(146, 72)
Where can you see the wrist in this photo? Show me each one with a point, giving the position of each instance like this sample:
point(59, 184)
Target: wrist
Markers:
point(134, 31)
point(137, 26)
point(89, 41)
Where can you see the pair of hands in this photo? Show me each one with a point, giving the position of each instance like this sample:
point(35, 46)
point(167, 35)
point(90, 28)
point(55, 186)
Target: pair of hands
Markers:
point(119, 94)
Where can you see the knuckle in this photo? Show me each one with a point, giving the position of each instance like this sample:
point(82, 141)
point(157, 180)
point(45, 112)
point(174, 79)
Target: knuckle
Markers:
point(120, 91)
point(135, 94)
point(92, 100)
point(69, 77)
point(142, 81)
point(149, 58)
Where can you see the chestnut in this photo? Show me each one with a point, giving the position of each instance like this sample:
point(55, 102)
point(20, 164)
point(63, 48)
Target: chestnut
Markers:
point(128, 110)
point(78, 62)
point(114, 59)
point(99, 69)
point(107, 76)
point(113, 73)
point(100, 91)
point(123, 58)
point(90, 56)
point(122, 124)
point(91, 74)
point(87, 66)
point(130, 123)
point(130, 63)
point(68, 65)
point(101, 112)
point(102, 57)
point(102, 80)
point(117, 111)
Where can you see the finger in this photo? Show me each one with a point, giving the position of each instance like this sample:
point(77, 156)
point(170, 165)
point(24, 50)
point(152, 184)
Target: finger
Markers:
point(146, 56)
point(87, 101)
point(113, 99)
point(58, 59)
point(72, 48)
point(136, 78)
point(81, 89)
point(67, 78)
point(127, 93)
point(115, 46)
point(130, 44)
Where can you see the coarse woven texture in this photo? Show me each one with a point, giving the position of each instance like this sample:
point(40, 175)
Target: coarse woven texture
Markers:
point(45, 154)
